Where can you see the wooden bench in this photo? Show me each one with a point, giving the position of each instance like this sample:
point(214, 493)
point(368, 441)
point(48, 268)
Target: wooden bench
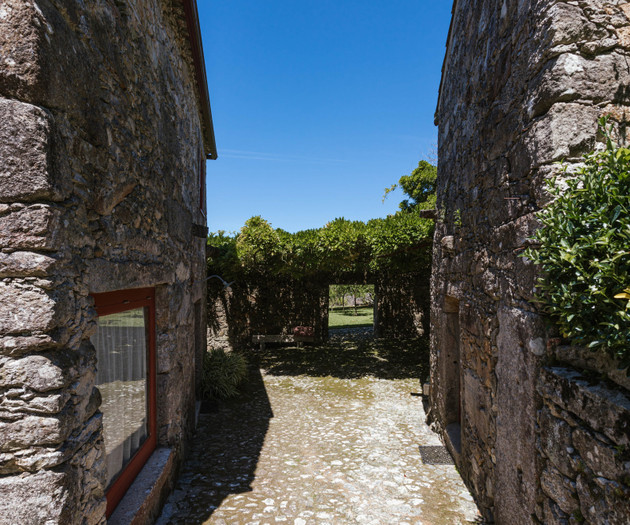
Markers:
point(287, 338)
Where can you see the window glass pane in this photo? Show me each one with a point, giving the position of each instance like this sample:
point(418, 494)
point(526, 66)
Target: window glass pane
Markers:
point(121, 351)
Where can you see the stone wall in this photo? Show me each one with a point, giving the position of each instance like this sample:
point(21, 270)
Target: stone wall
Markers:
point(100, 151)
point(402, 305)
point(523, 85)
point(584, 443)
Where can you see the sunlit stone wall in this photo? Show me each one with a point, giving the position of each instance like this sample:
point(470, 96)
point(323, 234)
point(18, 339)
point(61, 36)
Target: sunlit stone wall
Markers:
point(100, 152)
point(523, 86)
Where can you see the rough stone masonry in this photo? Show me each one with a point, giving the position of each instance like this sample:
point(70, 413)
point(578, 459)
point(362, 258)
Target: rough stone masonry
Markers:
point(102, 147)
point(523, 86)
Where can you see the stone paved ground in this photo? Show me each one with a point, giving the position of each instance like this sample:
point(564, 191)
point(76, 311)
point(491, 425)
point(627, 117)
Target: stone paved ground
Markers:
point(325, 435)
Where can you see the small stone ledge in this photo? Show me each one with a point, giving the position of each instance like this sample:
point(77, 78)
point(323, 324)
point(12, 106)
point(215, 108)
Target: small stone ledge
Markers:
point(597, 361)
point(605, 410)
point(143, 501)
point(584, 431)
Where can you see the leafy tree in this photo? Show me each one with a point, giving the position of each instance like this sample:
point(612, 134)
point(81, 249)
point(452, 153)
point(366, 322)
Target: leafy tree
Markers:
point(356, 291)
point(345, 290)
point(419, 187)
point(339, 292)
point(336, 294)
point(258, 244)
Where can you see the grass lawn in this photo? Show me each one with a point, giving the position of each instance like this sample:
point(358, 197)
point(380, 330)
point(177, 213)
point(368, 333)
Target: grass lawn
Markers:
point(339, 319)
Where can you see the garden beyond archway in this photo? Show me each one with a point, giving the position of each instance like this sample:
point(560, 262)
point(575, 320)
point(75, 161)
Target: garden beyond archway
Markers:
point(280, 280)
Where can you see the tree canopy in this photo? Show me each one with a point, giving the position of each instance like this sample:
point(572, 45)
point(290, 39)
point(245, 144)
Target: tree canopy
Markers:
point(398, 243)
point(418, 186)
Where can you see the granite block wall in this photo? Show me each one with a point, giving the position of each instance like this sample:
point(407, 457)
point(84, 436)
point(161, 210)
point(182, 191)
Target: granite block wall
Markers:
point(101, 144)
point(584, 445)
point(523, 86)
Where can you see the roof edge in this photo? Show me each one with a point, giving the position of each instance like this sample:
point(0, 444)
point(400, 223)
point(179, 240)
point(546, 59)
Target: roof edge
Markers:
point(446, 55)
point(194, 35)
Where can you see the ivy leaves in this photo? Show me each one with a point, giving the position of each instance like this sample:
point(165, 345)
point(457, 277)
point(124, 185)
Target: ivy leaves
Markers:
point(584, 251)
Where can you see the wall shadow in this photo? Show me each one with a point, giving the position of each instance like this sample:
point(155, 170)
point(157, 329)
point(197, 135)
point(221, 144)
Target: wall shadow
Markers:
point(228, 441)
point(350, 353)
point(224, 454)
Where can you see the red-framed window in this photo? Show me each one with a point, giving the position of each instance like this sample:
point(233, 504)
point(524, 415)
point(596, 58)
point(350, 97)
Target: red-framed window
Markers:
point(202, 183)
point(126, 378)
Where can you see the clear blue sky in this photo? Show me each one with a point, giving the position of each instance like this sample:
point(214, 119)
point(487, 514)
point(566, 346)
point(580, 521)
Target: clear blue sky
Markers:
point(318, 105)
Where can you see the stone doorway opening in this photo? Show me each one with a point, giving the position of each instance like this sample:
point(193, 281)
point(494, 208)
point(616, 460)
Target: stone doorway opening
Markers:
point(351, 306)
point(451, 373)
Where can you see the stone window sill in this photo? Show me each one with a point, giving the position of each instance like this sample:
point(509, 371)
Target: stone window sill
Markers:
point(141, 504)
point(454, 442)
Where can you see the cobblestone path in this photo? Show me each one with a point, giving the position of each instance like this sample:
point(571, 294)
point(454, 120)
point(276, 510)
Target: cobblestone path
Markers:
point(305, 446)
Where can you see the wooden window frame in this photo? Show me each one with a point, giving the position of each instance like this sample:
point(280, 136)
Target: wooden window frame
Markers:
point(202, 183)
point(119, 301)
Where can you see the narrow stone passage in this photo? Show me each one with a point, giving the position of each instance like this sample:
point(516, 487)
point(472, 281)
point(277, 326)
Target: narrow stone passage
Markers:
point(322, 435)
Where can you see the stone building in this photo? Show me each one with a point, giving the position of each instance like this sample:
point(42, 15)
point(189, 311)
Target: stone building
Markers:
point(523, 85)
point(105, 128)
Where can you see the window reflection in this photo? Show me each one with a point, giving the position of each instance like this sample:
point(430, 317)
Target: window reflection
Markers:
point(121, 348)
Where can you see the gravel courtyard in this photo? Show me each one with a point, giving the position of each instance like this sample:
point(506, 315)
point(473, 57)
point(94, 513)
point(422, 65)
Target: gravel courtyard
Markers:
point(323, 435)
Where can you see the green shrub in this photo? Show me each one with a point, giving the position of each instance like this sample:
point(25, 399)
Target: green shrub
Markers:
point(222, 373)
point(584, 245)
point(399, 242)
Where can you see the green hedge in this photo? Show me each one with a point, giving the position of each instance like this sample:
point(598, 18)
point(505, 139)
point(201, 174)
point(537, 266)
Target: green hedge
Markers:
point(584, 252)
point(400, 242)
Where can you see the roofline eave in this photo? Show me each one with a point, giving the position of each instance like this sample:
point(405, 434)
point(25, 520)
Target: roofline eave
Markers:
point(446, 56)
point(194, 36)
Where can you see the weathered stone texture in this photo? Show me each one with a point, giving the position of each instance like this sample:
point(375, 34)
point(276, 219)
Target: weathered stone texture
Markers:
point(583, 445)
point(523, 86)
point(21, 30)
point(402, 305)
point(25, 264)
point(24, 147)
point(25, 308)
point(598, 363)
point(35, 227)
point(101, 144)
point(35, 498)
point(604, 410)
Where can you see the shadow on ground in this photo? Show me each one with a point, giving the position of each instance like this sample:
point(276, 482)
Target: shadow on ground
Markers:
point(350, 353)
point(229, 439)
point(224, 454)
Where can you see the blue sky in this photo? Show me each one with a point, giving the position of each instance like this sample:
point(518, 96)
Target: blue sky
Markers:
point(318, 105)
